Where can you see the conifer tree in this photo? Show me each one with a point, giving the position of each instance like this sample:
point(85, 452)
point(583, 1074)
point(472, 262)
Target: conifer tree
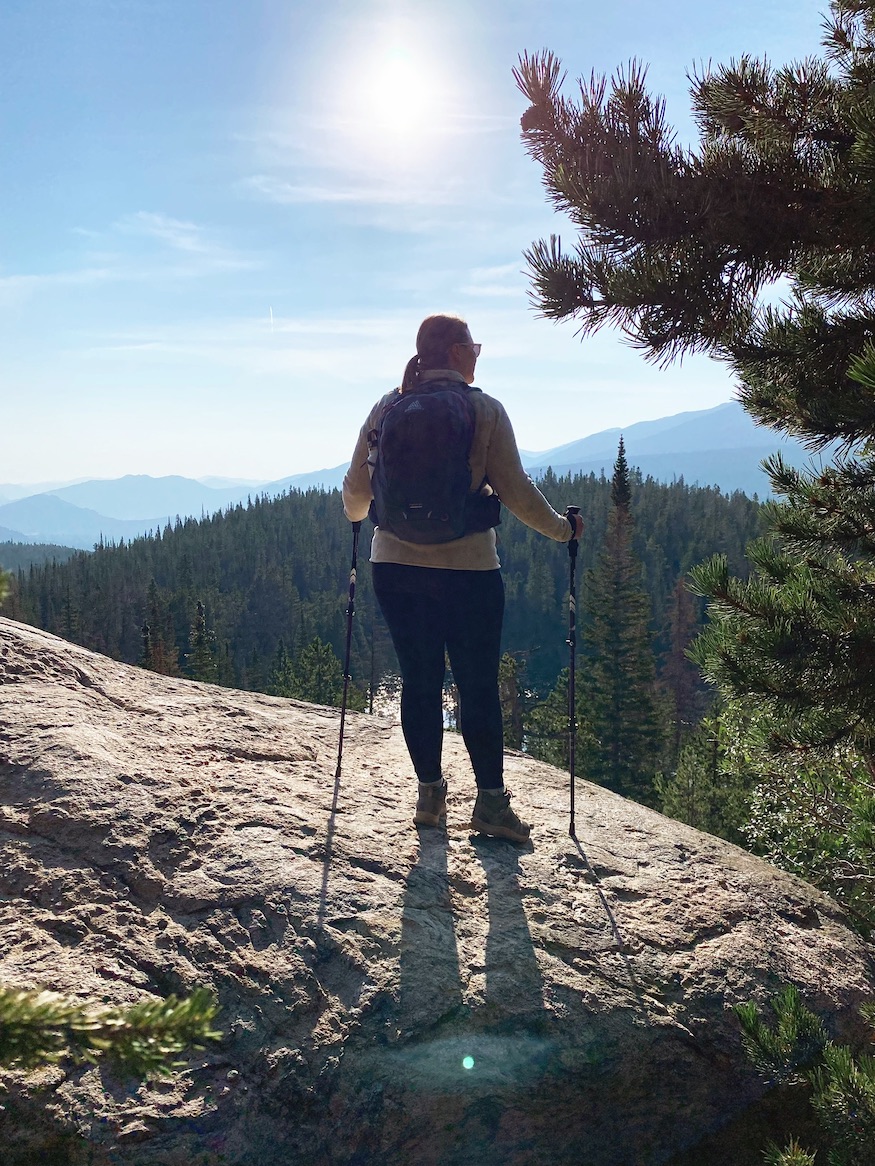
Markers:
point(315, 675)
point(546, 729)
point(159, 646)
point(680, 679)
point(277, 571)
point(546, 725)
point(511, 701)
point(796, 1049)
point(146, 660)
point(618, 685)
point(202, 661)
point(706, 789)
point(41, 1027)
point(680, 249)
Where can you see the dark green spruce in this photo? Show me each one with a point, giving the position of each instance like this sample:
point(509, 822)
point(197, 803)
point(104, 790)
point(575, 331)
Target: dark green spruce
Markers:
point(680, 251)
point(683, 250)
point(618, 673)
point(202, 659)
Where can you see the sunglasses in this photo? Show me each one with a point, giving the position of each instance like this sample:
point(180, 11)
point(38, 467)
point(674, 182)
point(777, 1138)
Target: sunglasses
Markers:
point(474, 347)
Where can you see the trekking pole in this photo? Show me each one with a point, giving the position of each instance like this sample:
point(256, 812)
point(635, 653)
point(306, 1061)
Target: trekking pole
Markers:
point(571, 513)
point(350, 611)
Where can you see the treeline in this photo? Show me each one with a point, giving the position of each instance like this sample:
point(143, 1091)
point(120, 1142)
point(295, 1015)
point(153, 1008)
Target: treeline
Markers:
point(271, 578)
point(15, 555)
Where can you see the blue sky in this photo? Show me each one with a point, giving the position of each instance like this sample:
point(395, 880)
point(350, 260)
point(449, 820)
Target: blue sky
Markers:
point(222, 222)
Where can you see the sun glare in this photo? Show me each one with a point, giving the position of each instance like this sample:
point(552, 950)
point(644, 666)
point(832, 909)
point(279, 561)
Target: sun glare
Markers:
point(397, 96)
point(396, 100)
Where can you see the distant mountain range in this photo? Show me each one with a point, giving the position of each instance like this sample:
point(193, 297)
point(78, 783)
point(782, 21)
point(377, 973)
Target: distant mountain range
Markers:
point(719, 447)
point(78, 515)
point(712, 447)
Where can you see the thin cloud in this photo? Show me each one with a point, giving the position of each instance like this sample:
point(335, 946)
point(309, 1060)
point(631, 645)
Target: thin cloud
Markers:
point(311, 349)
point(482, 123)
point(14, 288)
point(180, 235)
point(505, 281)
point(187, 238)
point(278, 190)
point(316, 135)
point(193, 256)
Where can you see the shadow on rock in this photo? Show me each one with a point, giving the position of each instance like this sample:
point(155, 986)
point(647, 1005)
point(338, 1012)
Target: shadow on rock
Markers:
point(430, 987)
point(514, 987)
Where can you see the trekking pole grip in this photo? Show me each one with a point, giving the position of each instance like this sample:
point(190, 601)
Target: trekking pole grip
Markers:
point(571, 512)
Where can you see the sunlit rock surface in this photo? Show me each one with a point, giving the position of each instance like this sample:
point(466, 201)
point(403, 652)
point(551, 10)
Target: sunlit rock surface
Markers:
point(388, 995)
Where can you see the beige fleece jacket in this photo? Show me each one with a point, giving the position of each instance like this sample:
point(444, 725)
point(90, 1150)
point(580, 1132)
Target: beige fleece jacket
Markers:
point(494, 456)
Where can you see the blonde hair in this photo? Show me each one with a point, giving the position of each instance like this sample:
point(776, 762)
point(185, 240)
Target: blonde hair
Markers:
point(435, 338)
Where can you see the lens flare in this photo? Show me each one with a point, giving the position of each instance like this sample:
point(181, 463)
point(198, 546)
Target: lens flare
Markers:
point(467, 1062)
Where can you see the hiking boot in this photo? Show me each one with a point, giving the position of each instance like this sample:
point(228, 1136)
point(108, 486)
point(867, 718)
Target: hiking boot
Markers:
point(493, 816)
point(431, 805)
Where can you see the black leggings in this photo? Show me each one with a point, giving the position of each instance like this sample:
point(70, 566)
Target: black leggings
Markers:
point(431, 610)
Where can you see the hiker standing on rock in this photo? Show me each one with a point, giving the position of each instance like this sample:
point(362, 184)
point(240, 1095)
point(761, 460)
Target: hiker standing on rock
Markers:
point(432, 461)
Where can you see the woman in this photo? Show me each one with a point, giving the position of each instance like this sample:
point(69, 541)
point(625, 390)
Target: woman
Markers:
point(448, 597)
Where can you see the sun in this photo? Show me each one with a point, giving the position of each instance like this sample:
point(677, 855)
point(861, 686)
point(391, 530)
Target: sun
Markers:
point(398, 94)
point(395, 100)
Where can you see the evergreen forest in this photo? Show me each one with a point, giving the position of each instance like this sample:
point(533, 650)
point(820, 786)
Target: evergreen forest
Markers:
point(14, 555)
point(239, 598)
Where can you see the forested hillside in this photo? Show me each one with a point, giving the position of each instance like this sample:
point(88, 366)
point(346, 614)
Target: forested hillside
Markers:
point(273, 576)
point(14, 555)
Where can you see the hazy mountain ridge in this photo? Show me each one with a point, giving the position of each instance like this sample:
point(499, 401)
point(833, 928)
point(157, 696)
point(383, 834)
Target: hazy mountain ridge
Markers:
point(135, 496)
point(665, 435)
point(7, 536)
point(80, 514)
point(20, 556)
point(720, 447)
point(45, 518)
point(726, 428)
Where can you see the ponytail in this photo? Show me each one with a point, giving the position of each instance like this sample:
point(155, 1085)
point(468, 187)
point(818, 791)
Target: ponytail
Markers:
point(435, 338)
point(411, 375)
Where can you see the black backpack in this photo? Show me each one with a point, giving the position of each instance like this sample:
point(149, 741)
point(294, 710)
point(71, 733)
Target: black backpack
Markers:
point(422, 473)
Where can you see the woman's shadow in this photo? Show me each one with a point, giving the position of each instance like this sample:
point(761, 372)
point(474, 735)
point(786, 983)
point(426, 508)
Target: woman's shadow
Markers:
point(514, 985)
point(476, 1053)
point(430, 987)
point(430, 983)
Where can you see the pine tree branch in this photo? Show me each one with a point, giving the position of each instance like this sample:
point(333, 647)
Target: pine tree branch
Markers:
point(39, 1027)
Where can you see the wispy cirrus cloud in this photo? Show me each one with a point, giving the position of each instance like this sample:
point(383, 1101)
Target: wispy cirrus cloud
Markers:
point(195, 254)
point(181, 235)
point(317, 345)
point(284, 191)
point(504, 281)
point(14, 288)
point(184, 237)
